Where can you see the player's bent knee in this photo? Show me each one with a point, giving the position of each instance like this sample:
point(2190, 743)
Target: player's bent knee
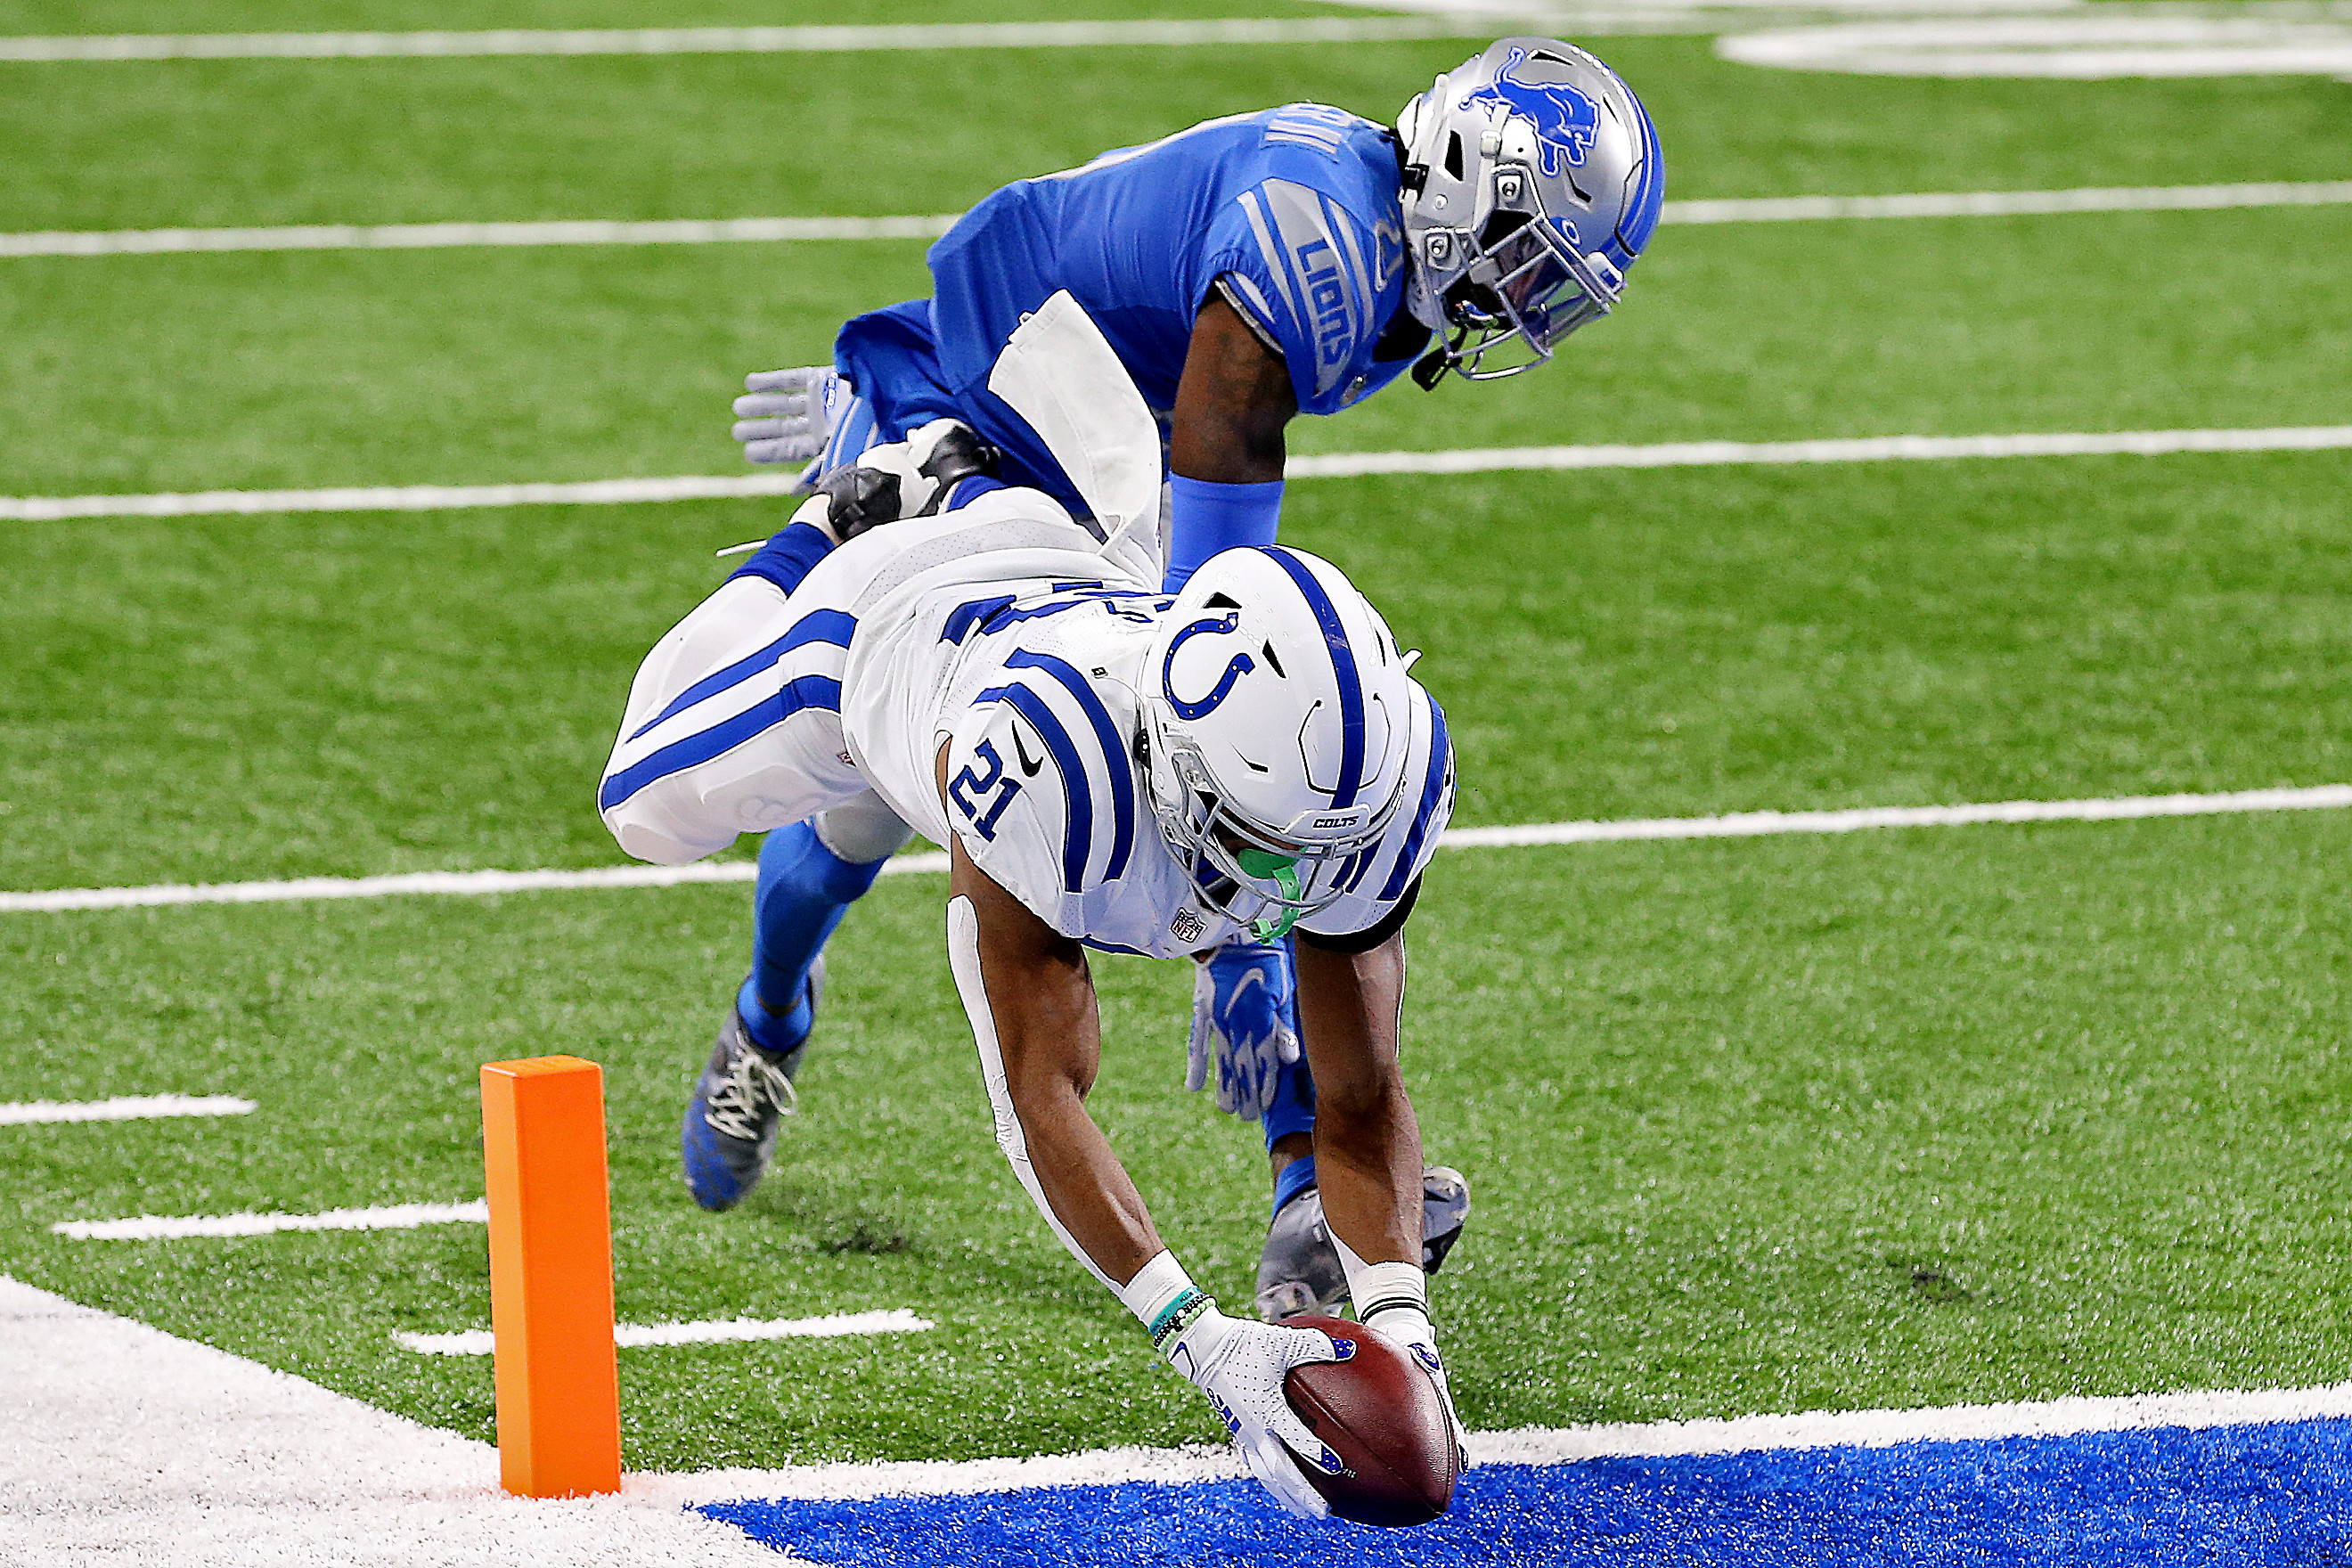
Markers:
point(863, 830)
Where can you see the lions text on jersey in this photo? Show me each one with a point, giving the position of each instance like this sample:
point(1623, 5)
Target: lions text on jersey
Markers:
point(1292, 213)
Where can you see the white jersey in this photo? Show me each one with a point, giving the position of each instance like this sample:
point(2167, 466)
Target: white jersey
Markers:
point(1031, 679)
point(1009, 634)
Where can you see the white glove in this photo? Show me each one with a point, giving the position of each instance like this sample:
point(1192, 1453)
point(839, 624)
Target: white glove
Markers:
point(1241, 1365)
point(1240, 1024)
point(1410, 1328)
point(787, 416)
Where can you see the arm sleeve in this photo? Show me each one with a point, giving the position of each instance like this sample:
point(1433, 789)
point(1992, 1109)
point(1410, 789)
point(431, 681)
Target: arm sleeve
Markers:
point(1206, 517)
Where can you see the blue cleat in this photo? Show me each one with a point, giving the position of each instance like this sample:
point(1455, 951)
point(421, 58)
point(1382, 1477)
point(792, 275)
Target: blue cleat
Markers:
point(739, 1106)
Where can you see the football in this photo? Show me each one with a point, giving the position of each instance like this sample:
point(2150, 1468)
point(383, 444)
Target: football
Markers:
point(1380, 1414)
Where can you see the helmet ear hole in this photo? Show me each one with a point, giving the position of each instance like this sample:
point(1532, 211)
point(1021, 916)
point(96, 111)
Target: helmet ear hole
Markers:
point(1453, 155)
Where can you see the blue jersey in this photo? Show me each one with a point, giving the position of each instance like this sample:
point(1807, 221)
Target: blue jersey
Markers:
point(1294, 208)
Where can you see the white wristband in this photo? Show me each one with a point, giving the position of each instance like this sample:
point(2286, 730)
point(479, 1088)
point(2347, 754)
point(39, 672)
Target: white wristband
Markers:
point(1157, 1286)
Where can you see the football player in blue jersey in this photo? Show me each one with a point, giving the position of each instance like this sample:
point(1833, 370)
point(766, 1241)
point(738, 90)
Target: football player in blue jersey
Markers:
point(1245, 271)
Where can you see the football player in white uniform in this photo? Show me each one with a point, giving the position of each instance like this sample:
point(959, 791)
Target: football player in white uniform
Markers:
point(1109, 768)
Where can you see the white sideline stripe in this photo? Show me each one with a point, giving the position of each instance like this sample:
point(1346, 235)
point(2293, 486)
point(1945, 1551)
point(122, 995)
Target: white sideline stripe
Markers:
point(837, 1325)
point(127, 1444)
point(721, 231)
point(471, 883)
point(742, 40)
point(1737, 825)
point(1863, 449)
point(1336, 465)
point(1550, 1446)
point(123, 1108)
point(1995, 204)
point(130, 1443)
point(170, 1227)
point(436, 236)
point(1754, 824)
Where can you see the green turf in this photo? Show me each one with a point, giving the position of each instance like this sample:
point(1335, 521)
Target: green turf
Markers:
point(457, 367)
point(49, 17)
point(1889, 1120)
point(227, 697)
point(161, 143)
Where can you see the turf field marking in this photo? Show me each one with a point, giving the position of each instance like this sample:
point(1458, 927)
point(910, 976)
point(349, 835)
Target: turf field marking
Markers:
point(123, 1108)
point(2293, 40)
point(1999, 203)
point(132, 1441)
point(172, 1228)
point(1863, 449)
point(1336, 465)
point(726, 1330)
point(1737, 825)
point(1554, 1444)
point(722, 231)
point(745, 40)
point(438, 236)
point(128, 1445)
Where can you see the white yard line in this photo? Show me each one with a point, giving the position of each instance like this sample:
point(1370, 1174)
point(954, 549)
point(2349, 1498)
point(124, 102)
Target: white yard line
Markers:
point(172, 1228)
point(127, 1444)
point(440, 236)
point(2095, 43)
point(746, 40)
point(123, 1108)
point(1863, 449)
point(1737, 825)
point(1545, 1444)
point(1336, 465)
point(724, 231)
point(724, 1331)
point(126, 1440)
point(2001, 203)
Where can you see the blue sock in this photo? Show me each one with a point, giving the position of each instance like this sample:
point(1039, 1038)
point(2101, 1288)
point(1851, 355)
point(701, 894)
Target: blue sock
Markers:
point(1297, 1177)
point(804, 890)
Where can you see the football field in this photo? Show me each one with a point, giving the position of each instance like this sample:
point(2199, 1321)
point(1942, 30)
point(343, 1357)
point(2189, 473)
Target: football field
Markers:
point(1799, 1122)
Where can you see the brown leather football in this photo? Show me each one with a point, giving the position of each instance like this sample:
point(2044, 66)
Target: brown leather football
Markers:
point(1380, 1412)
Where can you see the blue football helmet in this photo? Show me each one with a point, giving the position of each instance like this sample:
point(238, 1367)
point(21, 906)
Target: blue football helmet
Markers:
point(1532, 181)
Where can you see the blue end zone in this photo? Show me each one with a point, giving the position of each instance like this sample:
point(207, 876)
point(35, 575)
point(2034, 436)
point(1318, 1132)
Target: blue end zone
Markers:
point(2256, 1495)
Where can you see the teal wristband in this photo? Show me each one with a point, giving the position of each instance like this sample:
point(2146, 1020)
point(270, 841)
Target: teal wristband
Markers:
point(1177, 1316)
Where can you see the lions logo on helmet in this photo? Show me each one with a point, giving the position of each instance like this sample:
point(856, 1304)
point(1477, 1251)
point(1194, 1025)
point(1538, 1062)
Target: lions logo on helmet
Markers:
point(1279, 733)
point(1566, 120)
point(1532, 182)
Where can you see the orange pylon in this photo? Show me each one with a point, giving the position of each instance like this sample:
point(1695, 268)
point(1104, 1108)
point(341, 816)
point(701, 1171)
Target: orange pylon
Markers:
point(551, 1277)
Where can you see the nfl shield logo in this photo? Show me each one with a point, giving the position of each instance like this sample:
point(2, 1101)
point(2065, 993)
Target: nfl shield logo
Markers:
point(1186, 926)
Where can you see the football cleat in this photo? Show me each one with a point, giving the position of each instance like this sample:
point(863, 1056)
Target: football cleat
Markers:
point(1299, 1270)
point(739, 1106)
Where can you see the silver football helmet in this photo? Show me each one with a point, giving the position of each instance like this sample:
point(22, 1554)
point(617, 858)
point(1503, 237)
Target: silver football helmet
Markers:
point(1279, 727)
point(1532, 181)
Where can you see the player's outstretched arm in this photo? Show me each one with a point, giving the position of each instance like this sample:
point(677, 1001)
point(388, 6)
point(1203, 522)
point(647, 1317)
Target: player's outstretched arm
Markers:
point(1367, 1141)
point(1031, 1005)
point(1040, 1000)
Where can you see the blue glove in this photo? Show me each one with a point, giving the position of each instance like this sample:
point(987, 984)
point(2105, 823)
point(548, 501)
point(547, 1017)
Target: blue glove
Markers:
point(1244, 1021)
